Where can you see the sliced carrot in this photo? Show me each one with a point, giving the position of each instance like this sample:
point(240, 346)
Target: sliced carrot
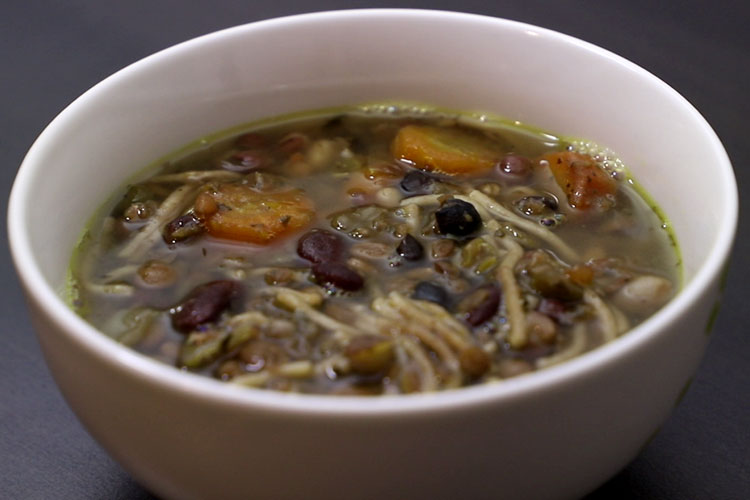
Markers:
point(586, 185)
point(245, 214)
point(447, 150)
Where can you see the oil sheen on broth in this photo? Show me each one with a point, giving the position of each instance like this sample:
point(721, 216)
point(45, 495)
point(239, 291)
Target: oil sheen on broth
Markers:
point(376, 250)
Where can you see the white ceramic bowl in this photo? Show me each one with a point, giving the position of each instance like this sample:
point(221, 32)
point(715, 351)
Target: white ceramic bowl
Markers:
point(557, 433)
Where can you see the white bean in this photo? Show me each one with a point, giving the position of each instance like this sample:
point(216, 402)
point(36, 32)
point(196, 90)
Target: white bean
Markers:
point(323, 152)
point(643, 294)
point(388, 197)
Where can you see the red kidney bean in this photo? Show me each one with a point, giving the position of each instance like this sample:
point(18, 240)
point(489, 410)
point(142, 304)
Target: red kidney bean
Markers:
point(320, 245)
point(338, 275)
point(204, 304)
point(487, 308)
point(514, 167)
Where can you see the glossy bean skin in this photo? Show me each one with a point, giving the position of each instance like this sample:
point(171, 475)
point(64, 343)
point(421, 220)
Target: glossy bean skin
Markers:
point(204, 304)
point(515, 168)
point(183, 228)
point(488, 301)
point(338, 275)
point(320, 245)
point(429, 291)
point(457, 217)
point(410, 248)
point(536, 205)
point(416, 182)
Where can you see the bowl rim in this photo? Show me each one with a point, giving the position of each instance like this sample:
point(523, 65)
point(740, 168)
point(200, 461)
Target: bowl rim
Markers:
point(199, 387)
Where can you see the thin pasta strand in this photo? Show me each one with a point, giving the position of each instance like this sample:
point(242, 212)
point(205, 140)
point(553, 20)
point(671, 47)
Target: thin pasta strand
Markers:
point(512, 293)
point(500, 212)
point(292, 299)
point(197, 176)
point(433, 316)
point(607, 322)
point(149, 234)
point(428, 378)
point(575, 347)
point(389, 310)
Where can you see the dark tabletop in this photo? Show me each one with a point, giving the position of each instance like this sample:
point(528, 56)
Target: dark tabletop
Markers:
point(52, 51)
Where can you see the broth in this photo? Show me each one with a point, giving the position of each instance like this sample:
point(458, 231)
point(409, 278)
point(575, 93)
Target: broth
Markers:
point(376, 250)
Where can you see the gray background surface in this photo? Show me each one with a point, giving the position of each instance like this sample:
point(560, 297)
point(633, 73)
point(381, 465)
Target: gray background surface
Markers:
point(50, 52)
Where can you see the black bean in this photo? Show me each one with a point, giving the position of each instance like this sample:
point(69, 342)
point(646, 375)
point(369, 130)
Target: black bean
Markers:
point(320, 245)
point(426, 290)
point(458, 218)
point(514, 167)
point(410, 248)
point(182, 228)
point(204, 304)
point(338, 275)
point(487, 301)
point(416, 181)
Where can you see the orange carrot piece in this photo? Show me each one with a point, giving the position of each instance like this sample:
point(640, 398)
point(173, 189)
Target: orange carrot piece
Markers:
point(586, 185)
point(252, 216)
point(447, 150)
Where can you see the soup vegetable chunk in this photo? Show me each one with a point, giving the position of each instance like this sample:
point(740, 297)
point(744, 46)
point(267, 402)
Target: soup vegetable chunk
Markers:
point(370, 252)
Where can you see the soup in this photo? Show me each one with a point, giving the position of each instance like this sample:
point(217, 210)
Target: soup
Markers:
point(376, 250)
